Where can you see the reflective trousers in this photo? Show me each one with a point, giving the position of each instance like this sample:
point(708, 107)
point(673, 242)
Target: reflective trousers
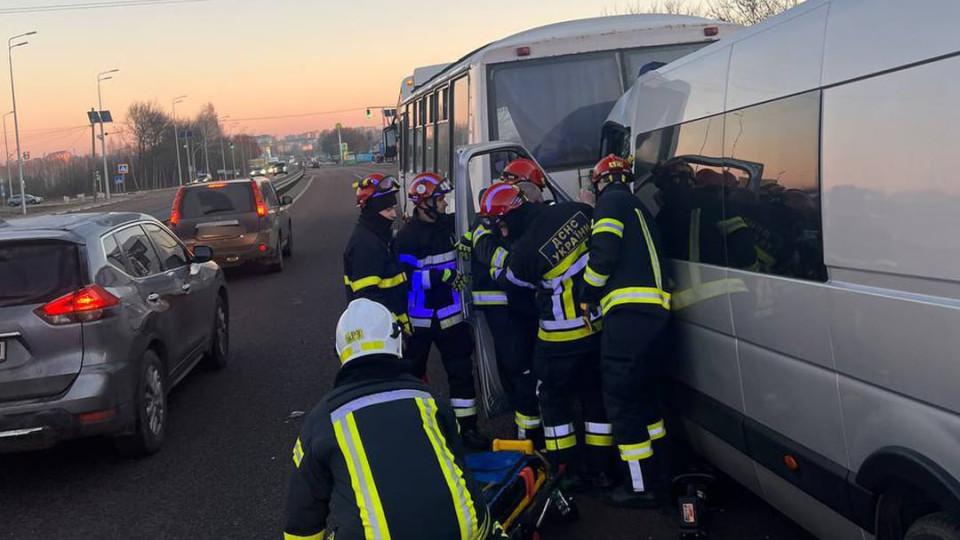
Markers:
point(569, 371)
point(631, 381)
point(456, 350)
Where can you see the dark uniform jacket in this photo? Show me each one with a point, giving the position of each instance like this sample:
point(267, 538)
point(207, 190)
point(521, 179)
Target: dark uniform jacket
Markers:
point(550, 257)
point(380, 457)
point(625, 269)
point(483, 243)
point(426, 251)
point(371, 266)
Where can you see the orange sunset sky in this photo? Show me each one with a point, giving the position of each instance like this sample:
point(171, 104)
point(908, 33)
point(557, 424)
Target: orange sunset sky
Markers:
point(250, 58)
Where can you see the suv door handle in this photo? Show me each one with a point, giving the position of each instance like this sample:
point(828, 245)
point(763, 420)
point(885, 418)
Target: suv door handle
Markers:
point(153, 298)
point(185, 287)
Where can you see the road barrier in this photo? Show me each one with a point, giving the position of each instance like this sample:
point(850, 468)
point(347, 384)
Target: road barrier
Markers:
point(284, 184)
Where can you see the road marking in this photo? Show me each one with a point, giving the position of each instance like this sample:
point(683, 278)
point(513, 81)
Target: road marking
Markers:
point(304, 190)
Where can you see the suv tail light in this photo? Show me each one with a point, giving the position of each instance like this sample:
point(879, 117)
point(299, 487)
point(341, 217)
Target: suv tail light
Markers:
point(85, 305)
point(258, 199)
point(175, 210)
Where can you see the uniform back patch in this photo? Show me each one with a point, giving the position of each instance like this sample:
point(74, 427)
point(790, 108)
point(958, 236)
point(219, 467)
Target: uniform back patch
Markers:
point(575, 231)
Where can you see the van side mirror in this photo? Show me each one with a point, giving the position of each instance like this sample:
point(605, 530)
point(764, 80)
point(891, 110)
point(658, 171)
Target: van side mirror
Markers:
point(286, 200)
point(202, 254)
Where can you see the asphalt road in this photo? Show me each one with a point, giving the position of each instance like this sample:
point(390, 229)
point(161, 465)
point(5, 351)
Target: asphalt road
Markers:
point(223, 470)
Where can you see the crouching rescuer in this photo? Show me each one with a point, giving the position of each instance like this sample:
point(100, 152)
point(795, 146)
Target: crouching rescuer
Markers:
point(428, 254)
point(625, 277)
point(379, 456)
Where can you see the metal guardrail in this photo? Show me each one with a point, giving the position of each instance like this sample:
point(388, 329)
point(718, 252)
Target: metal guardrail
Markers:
point(288, 181)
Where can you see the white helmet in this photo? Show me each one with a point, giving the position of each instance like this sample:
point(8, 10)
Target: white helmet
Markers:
point(366, 328)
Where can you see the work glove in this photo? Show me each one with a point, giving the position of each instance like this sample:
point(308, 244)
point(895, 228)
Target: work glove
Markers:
point(454, 279)
point(464, 247)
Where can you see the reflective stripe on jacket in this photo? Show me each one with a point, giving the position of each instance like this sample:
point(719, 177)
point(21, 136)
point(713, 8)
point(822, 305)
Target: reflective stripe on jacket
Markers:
point(426, 252)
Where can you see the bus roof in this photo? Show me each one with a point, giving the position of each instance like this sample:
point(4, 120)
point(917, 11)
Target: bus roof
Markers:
point(609, 26)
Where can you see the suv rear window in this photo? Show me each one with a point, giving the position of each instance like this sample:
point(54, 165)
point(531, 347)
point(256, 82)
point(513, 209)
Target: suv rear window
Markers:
point(37, 272)
point(214, 199)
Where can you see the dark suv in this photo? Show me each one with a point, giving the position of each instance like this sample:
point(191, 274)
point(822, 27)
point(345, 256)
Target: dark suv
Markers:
point(100, 315)
point(242, 220)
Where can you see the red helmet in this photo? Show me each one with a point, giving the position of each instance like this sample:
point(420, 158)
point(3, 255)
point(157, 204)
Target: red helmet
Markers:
point(500, 199)
point(614, 166)
point(373, 186)
point(427, 185)
point(524, 170)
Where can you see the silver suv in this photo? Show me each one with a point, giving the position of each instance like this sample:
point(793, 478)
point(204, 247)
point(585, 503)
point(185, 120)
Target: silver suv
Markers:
point(100, 315)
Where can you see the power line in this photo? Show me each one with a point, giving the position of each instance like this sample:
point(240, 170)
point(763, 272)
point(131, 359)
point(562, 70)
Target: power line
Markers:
point(93, 5)
point(300, 115)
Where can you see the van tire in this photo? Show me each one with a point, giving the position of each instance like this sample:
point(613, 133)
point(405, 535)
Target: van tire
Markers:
point(938, 526)
point(147, 436)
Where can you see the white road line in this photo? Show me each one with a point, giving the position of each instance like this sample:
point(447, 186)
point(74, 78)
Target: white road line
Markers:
point(304, 190)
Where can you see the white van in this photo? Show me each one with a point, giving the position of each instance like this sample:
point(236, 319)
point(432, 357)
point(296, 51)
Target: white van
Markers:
point(802, 172)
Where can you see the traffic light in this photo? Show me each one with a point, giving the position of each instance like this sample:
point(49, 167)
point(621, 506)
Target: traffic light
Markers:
point(369, 114)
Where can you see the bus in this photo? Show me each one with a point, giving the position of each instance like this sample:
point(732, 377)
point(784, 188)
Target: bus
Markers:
point(548, 88)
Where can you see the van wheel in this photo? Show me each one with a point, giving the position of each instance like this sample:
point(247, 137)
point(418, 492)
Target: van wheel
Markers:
point(288, 248)
point(938, 526)
point(216, 357)
point(150, 427)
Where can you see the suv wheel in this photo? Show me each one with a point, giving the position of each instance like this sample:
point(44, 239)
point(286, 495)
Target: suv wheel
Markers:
point(150, 426)
point(938, 526)
point(220, 338)
point(288, 248)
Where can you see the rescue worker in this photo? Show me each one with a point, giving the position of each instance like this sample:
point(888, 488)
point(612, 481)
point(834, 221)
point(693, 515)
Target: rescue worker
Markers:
point(371, 265)
point(549, 255)
point(625, 277)
point(510, 325)
point(428, 255)
point(379, 456)
point(527, 175)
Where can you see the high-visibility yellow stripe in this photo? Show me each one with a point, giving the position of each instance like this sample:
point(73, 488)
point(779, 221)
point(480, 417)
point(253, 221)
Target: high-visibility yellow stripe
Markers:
point(318, 536)
point(351, 351)
point(569, 310)
point(732, 225)
point(297, 453)
point(598, 440)
point(562, 443)
point(359, 469)
point(462, 501)
point(607, 229)
point(635, 452)
point(701, 292)
point(569, 335)
point(594, 278)
point(567, 262)
point(656, 430)
point(652, 248)
point(608, 225)
point(370, 281)
point(635, 295)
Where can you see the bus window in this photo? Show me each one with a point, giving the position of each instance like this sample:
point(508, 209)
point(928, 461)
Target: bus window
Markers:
point(615, 139)
point(443, 133)
point(538, 104)
point(461, 113)
point(634, 59)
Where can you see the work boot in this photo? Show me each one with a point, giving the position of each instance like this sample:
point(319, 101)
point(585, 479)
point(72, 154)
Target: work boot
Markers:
point(571, 482)
point(602, 480)
point(473, 439)
point(624, 497)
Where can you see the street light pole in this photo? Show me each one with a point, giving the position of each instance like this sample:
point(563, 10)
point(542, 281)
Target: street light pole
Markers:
point(223, 155)
point(176, 137)
point(6, 157)
point(16, 119)
point(103, 136)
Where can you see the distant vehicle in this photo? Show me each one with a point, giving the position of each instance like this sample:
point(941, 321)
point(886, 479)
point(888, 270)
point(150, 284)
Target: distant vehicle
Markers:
point(510, 90)
point(277, 168)
point(809, 212)
point(243, 221)
point(314, 164)
point(202, 177)
point(258, 171)
point(14, 200)
point(100, 316)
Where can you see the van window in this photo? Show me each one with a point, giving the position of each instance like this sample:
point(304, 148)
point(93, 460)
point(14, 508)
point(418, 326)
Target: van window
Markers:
point(37, 272)
point(635, 59)
point(781, 203)
point(615, 139)
point(556, 116)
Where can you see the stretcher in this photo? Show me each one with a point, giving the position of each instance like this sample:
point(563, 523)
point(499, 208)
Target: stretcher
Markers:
point(520, 488)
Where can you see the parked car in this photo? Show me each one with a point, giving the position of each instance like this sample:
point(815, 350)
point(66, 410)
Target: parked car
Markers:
point(100, 316)
point(243, 221)
point(14, 200)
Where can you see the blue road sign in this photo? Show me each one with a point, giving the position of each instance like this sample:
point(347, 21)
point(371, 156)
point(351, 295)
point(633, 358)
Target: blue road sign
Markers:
point(118, 179)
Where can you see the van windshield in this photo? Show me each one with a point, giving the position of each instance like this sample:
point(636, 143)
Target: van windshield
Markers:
point(555, 115)
point(215, 199)
point(37, 272)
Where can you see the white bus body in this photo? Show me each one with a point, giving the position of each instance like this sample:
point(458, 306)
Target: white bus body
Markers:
point(549, 88)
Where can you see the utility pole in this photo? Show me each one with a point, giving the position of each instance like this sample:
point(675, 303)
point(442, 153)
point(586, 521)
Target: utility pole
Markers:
point(233, 158)
point(6, 157)
point(103, 135)
point(339, 144)
point(176, 137)
point(223, 155)
point(206, 153)
point(94, 115)
point(243, 156)
point(16, 119)
point(190, 176)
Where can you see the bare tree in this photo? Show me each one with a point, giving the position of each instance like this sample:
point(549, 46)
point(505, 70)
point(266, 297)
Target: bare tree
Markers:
point(147, 124)
point(744, 12)
point(670, 7)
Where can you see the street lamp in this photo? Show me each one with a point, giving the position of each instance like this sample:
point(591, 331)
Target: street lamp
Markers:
point(223, 155)
point(16, 121)
point(103, 136)
point(6, 156)
point(176, 136)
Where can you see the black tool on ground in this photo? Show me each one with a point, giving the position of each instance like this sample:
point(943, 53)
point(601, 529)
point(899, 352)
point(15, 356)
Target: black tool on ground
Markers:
point(692, 492)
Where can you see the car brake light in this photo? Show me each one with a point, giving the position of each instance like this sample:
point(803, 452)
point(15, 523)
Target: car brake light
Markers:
point(258, 200)
point(218, 185)
point(175, 210)
point(711, 31)
point(84, 305)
